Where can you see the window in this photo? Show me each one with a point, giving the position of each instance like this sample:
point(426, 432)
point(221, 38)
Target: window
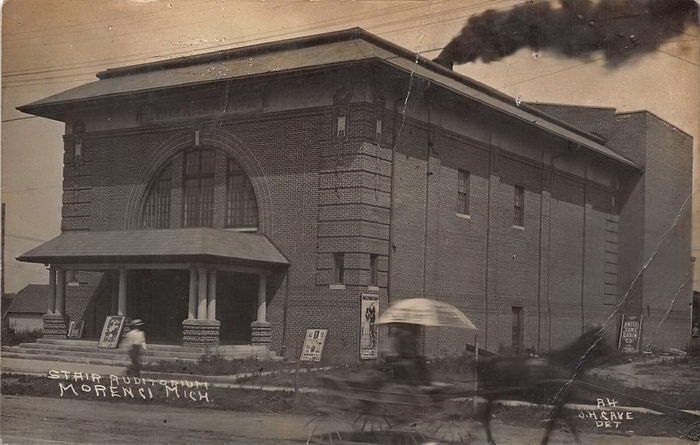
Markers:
point(241, 206)
point(519, 207)
point(156, 212)
point(339, 262)
point(198, 180)
point(463, 192)
point(342, 110)
point(518, 326)
point(378, 114)
point(78, 135)
point(373, 269)
point(342, 126)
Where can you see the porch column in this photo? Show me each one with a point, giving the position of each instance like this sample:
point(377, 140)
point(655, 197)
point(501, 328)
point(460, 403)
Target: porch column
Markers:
point(202, 328)
point(54, 322)
point(114, 292)
point(60, 291)
point(211, 296)
point(121, 308)
point(192, 307)
point(202, 295)
point(51, 307)
point(261, 331)
point(262, 297)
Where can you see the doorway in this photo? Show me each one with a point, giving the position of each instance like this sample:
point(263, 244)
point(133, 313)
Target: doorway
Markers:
point(160, 299)
point(236, 306)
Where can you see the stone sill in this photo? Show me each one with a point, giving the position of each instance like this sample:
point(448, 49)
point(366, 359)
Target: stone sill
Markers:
point(517, 227)
point(463, 216)
point(337, 286)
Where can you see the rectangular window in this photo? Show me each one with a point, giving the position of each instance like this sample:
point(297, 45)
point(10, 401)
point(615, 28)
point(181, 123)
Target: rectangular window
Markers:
point(463, 192)
point(378, 115)
point(373, 269)
point(78, 150)
point(519, 206)
point(339, 262)
point(342, 131)
point(518, 329)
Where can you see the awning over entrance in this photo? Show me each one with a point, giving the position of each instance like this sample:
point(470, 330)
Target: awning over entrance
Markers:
point(163, 245)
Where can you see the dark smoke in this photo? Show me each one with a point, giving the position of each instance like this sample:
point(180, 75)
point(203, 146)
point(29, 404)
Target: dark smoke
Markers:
point(618, 29)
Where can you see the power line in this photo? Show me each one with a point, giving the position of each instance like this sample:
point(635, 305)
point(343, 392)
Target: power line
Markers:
point(25, 238)
point(19, 118)
point(257, 37)
point(260, 36)
point(40, 81)
point(101, 25)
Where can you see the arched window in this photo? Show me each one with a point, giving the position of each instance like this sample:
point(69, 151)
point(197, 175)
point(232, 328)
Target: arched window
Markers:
point(156, 212)
point(198, 185)
point(241, 205)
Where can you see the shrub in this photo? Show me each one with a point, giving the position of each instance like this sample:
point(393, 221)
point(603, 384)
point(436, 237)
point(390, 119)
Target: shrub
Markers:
point(12, 337)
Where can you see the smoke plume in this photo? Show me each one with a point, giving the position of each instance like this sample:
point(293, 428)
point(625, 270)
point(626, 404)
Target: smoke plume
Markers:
point(616, 29)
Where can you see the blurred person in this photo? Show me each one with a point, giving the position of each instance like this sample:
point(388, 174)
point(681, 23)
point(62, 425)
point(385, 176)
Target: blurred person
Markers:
point(135, 341)
point(407, 366)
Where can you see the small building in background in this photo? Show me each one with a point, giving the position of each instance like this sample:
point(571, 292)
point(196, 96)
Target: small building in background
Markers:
point(27, 307)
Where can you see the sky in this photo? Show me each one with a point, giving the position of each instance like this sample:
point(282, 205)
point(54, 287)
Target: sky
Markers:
point(49, 46)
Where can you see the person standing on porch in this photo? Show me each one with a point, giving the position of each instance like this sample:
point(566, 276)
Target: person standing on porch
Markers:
point(135, 341)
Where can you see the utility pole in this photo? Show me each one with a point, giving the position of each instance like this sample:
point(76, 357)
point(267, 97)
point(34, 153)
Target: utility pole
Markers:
point(2, 252)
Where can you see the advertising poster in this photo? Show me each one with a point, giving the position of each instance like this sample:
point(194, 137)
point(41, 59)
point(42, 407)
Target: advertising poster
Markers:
point(630, 334)
point(369, 312)
point(313, 345)
point(111, 332)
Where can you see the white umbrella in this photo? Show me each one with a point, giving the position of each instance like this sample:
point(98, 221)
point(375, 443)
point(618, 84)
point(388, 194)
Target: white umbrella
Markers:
point(426, 312)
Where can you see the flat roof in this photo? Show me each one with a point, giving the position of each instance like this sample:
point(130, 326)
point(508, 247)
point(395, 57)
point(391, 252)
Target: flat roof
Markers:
point(166, 245)
point(323, 50)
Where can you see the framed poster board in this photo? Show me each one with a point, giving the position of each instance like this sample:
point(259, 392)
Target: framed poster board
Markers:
point(75, 329)
point(111, 332)
point(313, 345)
point(630, 334)
point(369, 338)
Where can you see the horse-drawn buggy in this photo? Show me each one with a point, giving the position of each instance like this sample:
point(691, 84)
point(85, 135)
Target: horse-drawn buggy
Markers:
point(399, 396)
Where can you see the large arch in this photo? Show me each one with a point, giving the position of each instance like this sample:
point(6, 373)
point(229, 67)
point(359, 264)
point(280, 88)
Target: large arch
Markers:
point(210, 137)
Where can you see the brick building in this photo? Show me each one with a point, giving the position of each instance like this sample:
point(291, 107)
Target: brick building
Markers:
point(249, 194)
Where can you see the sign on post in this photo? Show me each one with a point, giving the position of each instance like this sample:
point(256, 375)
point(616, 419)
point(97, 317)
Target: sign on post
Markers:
point(111, 332)
point(630, 331)
point(313, 345)
point(369, 338)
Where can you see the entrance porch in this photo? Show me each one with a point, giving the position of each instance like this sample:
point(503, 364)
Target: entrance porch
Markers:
point(197, 287)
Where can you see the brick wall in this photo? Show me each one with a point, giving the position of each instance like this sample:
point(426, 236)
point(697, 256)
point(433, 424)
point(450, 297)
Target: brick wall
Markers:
point(318, 195)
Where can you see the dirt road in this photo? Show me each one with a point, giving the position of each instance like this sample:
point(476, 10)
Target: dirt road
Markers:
point(38, 420)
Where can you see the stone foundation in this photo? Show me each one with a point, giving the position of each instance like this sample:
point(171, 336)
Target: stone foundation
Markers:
point(261, 333)
point(55, 326)
point(200, 332)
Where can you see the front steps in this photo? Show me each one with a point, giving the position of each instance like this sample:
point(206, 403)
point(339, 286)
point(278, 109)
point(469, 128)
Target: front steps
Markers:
point(86, 351)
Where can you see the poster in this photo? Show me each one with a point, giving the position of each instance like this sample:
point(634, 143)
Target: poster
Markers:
point(369, 340)
point(630, 333)
point(111, 332)
point(313, 345)
point(75, 329)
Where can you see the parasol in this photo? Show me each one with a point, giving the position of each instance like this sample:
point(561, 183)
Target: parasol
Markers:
point(426, 312)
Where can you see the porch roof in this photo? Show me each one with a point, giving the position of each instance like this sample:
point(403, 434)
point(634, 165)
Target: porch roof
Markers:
point(162, 245)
